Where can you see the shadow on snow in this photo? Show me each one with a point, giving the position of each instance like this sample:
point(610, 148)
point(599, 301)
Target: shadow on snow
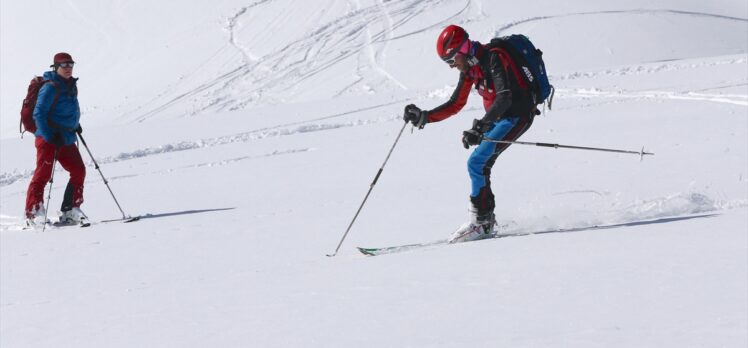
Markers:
point(604, 227)
point(185, 212)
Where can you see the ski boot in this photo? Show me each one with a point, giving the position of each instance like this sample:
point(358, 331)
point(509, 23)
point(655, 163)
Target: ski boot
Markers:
point(480, 226)
point(74, 216)
point(37, 217)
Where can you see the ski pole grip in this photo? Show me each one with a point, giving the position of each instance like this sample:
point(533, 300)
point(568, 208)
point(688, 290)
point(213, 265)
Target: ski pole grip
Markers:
point(376, 178)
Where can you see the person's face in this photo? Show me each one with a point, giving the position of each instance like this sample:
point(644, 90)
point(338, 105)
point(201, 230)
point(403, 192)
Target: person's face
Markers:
point(65, 69)
point(460, 62)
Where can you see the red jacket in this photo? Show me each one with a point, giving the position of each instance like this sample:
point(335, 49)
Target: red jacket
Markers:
point(501, 92)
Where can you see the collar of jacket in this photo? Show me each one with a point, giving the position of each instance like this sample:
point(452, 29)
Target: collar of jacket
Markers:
point(66, 84)
point(52, 75)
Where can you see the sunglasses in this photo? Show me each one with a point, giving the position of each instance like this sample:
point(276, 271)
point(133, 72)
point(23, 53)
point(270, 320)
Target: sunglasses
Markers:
point(66, 64)
point(451, 61)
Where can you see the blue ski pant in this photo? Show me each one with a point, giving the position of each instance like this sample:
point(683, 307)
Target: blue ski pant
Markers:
point(484, 156)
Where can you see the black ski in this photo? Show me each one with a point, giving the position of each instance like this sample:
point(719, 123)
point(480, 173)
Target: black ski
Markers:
point(124, 219)
point(66, 224)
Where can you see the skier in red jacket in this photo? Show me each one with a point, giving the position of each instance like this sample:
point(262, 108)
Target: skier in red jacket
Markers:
point(509, 113)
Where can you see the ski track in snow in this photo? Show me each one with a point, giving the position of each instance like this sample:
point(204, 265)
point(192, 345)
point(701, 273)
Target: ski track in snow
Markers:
point(217, 163)
point(439, 24)
point(498, 32)
point(736, 99)
point(279, 73)
point(275, 77)
point(96, 179)
point(389, 25)
point(8, 178)
point(376, 57)
point(231, 25)
point(650, 68)
point(257, 134)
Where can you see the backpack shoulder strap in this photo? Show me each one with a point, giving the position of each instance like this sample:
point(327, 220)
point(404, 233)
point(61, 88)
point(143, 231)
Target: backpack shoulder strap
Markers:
point(57, 96)
point(51, 123)
point(508, 63)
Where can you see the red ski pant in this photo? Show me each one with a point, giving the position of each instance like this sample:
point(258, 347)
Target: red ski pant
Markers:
point(70, 159)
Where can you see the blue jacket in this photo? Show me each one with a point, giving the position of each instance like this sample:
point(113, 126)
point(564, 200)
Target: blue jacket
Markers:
point(67, 113)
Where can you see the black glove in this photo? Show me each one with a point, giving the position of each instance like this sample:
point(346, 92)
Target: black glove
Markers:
point(79, 130)
point(474, 135)
point(416, 116)
point(471, 137)
point(57, 140)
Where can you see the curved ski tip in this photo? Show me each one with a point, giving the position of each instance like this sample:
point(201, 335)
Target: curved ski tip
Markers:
point(365, 251)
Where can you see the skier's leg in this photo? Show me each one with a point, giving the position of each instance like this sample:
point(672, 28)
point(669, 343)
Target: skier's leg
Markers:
point(483, 158)
point(45, 154)
point(481, 161)
point(70, 159)
point(522, 125)
point(485, 153)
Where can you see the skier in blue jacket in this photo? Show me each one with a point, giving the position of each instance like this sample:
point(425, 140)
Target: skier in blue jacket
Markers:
point(57, 118)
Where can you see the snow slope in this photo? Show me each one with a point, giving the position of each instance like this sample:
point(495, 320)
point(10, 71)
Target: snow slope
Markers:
point(246, 133)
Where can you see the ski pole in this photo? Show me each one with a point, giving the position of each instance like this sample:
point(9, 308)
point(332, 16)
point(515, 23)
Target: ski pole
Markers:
point(370, 188)
point(557, 146)
point(49, 194)
point(96, 165)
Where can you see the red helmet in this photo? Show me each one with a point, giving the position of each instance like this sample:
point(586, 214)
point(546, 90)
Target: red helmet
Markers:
point(449, 41)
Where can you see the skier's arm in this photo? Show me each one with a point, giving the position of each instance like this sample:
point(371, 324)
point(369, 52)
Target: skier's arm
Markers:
point(456, 101)
point(503, 91)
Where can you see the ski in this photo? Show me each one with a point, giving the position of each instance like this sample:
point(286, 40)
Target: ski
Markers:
point(409, 247)
point(58, 224)
point(124, 219)
point(519, 233)
point(399, 248)
point(501, 226)
point(66, 224)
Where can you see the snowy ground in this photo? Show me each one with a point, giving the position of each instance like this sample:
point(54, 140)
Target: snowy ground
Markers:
point(246, 133)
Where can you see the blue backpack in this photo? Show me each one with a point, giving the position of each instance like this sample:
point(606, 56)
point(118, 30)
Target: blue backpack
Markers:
point(519, 55)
